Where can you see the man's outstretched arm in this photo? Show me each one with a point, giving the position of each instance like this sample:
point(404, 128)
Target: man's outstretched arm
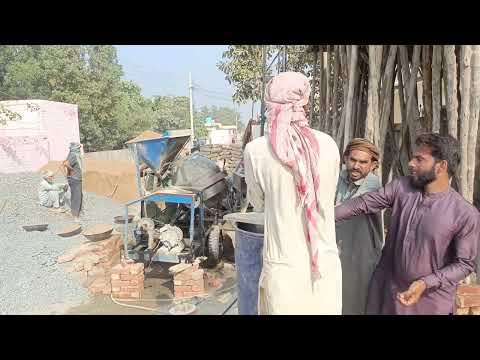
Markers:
point(369, 203)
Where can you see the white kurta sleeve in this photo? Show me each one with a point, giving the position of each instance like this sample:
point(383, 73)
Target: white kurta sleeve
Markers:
point(329, 171)
point(255, 193)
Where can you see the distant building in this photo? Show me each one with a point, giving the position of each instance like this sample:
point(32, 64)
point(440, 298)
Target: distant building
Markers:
point(221, 134)
point(42, 133)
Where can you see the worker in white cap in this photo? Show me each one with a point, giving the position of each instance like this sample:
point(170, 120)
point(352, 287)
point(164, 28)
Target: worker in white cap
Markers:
point(50, 194)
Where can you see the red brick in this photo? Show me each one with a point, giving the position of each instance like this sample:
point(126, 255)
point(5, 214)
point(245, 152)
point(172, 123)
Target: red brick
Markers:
point(115, 276)
point(196, 275)
point(136, 269)
point(117, 269)
point(185, 275)
point(65, 258)
point(468, 290)
point(127, 277)
point(475, 310)
point(116, 289)
point(107, 291)
point(178, 282)
point(78, 266)
point(191, 293)
point(197, 288)
point(183, 288)
point(462, 311)
point(138, 282)
point(96, 272)
point(468, 300)
point(135, 295)
point(119, 283)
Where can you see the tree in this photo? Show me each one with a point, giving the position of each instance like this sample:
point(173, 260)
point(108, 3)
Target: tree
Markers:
point(90, 76)
point(170, 112)
point(243, 64)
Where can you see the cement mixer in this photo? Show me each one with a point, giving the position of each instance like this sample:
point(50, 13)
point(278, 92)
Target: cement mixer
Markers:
point(183, 200)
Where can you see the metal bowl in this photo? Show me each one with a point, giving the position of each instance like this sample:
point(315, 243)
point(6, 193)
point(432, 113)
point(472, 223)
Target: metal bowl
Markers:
point(98, 232)
point(182, 309)
point(70, 231)
point(121, 219)
point(39, 227)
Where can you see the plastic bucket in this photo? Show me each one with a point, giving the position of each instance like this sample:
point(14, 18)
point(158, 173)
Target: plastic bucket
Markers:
point(248, 262)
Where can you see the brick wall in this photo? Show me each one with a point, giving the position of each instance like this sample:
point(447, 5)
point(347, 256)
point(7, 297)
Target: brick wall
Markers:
point(232, 154)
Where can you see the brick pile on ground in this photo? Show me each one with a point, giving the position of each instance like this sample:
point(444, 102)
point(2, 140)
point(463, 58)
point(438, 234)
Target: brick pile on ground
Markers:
point(188, 279)
point(127, 280)
point(468, 300)
point(232, 154)
point(91, 263)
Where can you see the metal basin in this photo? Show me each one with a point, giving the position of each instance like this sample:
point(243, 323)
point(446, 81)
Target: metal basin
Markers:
point(98, 232)
point(69, 231)
point(183, 309)
point(39, 227)
point(121, 219)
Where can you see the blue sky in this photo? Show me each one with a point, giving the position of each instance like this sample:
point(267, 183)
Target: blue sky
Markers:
point(163, 70)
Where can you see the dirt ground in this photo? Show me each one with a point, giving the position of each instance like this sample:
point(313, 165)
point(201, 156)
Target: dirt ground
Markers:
point(158, 297)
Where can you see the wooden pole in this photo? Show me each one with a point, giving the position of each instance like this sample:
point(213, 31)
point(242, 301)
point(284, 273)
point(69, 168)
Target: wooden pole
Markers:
point(436, 87)
point(351, 89)
point(451, 89)
point(465, 76)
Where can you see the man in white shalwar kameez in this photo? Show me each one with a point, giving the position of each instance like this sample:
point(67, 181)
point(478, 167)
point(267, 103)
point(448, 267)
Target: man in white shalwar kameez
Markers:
point(291, 175)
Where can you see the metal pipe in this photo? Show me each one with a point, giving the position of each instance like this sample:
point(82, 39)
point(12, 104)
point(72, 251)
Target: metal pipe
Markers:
point(125, 237)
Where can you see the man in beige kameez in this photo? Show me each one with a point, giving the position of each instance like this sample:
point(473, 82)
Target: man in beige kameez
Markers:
point(291, 174)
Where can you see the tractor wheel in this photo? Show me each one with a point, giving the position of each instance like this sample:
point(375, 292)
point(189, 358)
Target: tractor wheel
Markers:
point(214, 246)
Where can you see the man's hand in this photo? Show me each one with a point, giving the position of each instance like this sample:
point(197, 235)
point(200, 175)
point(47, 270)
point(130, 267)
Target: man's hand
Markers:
point(413, 294)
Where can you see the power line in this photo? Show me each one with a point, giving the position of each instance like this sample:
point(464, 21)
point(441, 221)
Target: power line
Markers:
point(216, 97)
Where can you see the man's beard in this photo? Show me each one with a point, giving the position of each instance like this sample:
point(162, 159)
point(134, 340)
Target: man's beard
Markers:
point(423, 179)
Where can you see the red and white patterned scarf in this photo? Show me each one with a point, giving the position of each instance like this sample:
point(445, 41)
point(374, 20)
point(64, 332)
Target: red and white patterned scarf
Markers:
point(296, 146)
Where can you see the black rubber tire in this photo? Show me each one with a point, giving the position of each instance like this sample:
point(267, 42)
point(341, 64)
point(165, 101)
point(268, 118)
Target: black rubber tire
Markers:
point(214, 246)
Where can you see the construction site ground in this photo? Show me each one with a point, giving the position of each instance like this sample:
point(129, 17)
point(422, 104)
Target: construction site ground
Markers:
point(158, 297)
point(32, 282)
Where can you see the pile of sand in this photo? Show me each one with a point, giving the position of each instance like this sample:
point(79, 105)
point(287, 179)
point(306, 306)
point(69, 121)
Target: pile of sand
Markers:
point(116, 180)
point(146, 135)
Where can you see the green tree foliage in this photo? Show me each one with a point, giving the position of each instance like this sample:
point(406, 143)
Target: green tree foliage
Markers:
point(242, 65)
point(110, 110)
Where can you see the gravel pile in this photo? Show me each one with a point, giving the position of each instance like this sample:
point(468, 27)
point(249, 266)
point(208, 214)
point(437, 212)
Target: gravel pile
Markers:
point(30, 279)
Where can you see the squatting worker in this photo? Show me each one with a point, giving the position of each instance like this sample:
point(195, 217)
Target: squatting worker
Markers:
point(51, 194)
point(432, 239)
point(291, 174)
point(74, 168)
point(359, 239)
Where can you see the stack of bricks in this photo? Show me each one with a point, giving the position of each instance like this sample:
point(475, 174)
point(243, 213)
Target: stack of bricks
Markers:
point(127, 280)
point(91, 263)
point(188, 280)
point(468, 300)
point(231, 154)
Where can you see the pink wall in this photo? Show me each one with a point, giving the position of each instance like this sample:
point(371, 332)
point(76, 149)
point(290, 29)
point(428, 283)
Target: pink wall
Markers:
point(60, 120)
point(43, 134)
